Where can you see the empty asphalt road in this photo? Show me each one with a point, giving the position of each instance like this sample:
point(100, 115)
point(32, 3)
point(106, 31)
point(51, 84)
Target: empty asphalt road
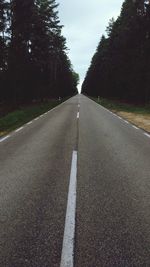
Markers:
point(75, 190)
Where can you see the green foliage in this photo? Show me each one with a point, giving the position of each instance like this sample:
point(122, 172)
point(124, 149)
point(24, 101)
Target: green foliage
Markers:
point(21, 116)
point(33, 58)
point(3, 52)
point(76, 78)
point(120, 67)
point(121, 106)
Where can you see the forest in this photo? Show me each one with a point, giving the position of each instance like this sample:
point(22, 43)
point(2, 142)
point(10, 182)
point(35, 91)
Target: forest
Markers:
point(34, 64)
point(120, 67)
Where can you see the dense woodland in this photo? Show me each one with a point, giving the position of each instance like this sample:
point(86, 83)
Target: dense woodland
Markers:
point(120, 68)
point(33, 56)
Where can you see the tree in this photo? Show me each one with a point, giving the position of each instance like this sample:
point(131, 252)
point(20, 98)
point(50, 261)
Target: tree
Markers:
point(120, 66)
point(3, 47)
point(37, 52)
point(21, 18)
point(76, 78)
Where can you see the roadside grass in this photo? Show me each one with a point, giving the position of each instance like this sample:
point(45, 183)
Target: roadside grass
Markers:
point(136, 114)
point(19, 117)
point(117, 106)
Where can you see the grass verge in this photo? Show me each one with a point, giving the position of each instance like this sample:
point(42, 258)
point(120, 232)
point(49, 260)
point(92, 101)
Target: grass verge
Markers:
point(136, 114)
point(119, 106)
point(17, 118)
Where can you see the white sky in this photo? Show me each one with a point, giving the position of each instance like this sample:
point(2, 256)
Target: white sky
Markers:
point(84, 22)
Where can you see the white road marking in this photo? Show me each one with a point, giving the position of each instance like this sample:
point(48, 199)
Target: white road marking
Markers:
point(18, 130)
point(78, 105)
point(4, 138)
point(67, 256)
point(78, 115)
point(30, 122)
point(146, 134)
point(135, 127)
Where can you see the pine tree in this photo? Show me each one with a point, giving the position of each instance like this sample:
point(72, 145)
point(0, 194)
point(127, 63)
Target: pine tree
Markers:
point(19, 51)
point(37, 52)
point(120, 67)
point(48, 51)
point(3, 49)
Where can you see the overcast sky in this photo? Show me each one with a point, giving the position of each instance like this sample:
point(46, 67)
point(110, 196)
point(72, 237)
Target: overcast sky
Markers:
point(84, 22)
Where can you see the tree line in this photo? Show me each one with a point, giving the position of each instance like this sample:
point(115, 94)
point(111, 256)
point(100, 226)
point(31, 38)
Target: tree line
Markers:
point(33, 55)
point(120, 68)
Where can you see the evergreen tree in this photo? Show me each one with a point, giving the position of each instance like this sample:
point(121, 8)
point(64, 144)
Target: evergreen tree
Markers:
point(37, 52)
point(120, 67)
point(22, 13)
point(3, 49)
point(48, 49)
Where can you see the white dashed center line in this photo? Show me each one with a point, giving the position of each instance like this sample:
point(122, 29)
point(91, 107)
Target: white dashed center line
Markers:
point(67, 256)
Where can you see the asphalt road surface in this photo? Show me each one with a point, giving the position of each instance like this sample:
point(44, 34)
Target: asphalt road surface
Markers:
point(75, 190)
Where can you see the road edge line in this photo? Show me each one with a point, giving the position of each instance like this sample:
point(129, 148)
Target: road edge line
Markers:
point(128, 122)
point(3, 138)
